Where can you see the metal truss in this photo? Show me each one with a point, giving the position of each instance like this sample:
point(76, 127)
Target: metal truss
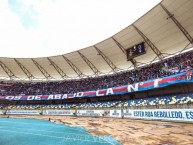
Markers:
point(151, 45)
point(108, 61)
point(182, 29)
point(133, 61)
point(25, 70)
point(57, 68)
point(79, 73)
point(90, 64)
point(7, 70)
point(43, 71)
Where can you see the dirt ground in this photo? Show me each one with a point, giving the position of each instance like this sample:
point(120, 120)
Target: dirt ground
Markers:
point(131, 132)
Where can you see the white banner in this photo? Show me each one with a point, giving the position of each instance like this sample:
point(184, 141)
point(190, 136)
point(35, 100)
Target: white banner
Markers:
point(27, 112)
point(1, 112)
point(165, 114)
point(58, 112)
point(115, 113)
point(90, 112)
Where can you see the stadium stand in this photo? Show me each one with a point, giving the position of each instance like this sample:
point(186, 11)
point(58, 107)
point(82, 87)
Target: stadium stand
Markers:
point(167, 67)
point(153, 101)
point(1, 106)
point(164, 100)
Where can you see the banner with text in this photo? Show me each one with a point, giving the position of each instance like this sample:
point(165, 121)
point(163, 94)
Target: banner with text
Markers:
point(115, 113)
point(59, 112)
point(90, 112)
point(165, 114)
point(185, 77)
point(24, 112)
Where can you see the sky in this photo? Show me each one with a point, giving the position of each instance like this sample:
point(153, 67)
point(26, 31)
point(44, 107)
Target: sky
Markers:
point(41, 28)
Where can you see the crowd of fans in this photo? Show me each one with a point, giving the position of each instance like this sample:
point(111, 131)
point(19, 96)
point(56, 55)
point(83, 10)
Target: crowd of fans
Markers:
point(152, 101)
point(166, 67)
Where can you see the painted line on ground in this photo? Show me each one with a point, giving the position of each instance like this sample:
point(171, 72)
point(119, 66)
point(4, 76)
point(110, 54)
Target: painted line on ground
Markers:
point(59, 137)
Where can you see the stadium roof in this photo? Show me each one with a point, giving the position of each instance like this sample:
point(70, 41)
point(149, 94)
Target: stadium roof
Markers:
point(166, 30)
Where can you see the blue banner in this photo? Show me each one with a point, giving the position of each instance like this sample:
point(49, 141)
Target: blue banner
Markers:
point(185, 77)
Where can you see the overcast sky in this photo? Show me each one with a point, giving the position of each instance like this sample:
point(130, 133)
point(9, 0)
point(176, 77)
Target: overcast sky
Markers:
point(39, 28)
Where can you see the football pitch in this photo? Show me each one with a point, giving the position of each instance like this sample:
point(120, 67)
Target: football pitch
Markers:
point(41, 132)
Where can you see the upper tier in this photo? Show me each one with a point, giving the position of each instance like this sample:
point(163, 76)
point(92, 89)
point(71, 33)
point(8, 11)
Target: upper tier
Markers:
point(168, 67)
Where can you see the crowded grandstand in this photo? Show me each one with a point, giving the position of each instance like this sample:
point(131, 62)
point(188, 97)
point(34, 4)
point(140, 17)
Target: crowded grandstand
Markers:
point(171, 66)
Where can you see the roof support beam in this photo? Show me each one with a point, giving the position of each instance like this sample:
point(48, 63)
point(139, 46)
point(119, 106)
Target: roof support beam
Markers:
point(7, 70)
point(57, 68)
point(25, 70)
point(182, 29)
point(74, 67)
point(108, 61)
point(90, 64)
point(43, 71)
point(151, 45)
point(119, 45)
point(133, 61)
